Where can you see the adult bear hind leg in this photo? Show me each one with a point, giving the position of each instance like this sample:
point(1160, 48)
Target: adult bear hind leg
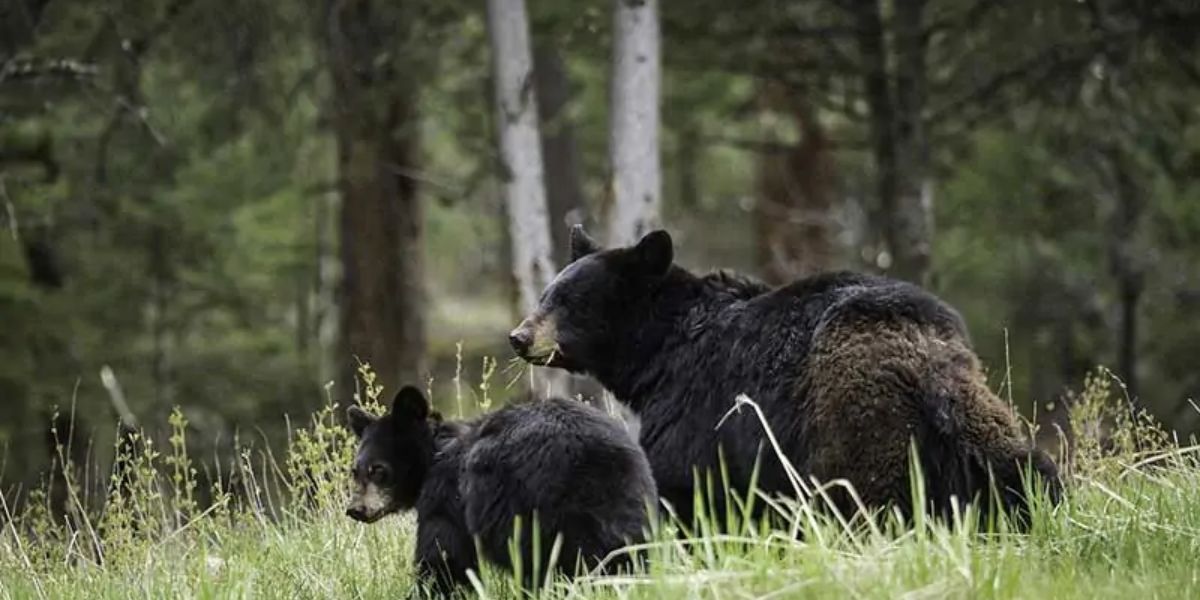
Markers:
point(863, 393)
point(990, 461)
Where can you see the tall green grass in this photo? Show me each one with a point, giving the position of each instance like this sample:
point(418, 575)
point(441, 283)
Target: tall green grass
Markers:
point(1130, 527)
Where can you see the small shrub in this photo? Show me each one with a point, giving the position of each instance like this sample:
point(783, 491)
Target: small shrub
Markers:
point(1110, 432)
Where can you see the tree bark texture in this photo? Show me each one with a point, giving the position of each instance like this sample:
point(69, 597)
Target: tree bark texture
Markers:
point(898, 140)
point(912, 247)
point(794, 215)
point(382, 291)
point(560, 150)
point(520, 150)
point(1127, 266)
point(521, 164)
point(633, 138)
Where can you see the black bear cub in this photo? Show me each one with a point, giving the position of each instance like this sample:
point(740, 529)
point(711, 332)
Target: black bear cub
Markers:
point(574, 469)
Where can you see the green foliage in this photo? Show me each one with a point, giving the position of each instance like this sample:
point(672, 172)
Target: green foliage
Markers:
point(1031, 220)
point(183, 474)
point(1110, 433)
point(318, 457)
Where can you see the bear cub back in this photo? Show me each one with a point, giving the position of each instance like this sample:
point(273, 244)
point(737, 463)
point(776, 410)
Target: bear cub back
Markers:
point(571, 468)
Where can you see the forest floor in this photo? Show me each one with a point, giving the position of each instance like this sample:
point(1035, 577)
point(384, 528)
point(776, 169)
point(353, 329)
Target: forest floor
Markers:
point(1129, 527)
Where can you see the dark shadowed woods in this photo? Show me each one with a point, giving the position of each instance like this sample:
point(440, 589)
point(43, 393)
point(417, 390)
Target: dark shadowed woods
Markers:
point(230, 204)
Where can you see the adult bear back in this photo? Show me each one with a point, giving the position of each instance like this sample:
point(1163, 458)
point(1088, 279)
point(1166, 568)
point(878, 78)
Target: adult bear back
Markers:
point(849, 369)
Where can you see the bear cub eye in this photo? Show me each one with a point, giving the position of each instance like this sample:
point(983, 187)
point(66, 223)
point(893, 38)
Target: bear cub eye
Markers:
point(377, 473)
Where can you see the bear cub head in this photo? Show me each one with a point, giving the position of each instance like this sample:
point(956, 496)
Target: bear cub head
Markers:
point(584, 315)
point(394, 454)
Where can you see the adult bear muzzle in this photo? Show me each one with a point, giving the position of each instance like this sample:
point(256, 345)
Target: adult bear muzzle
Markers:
point(535, 339)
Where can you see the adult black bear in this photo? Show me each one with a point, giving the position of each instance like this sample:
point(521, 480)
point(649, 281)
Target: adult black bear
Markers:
point(848, 369)
point(574, 468)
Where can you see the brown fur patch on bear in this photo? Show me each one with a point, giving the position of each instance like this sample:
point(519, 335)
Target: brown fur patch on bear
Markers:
point(875, 388)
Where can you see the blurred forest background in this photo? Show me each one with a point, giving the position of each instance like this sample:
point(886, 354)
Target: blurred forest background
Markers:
point(225, 201)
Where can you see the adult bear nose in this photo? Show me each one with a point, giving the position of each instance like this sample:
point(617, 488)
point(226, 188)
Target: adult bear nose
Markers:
point(521, 338)
point(356, 513)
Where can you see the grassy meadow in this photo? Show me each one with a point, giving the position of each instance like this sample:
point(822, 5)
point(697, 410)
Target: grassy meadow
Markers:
point(1130, 527)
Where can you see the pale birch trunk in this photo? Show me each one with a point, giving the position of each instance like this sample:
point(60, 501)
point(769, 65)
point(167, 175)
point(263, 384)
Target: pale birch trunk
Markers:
point(565, 204)
point(521, 160)
point(633, 139)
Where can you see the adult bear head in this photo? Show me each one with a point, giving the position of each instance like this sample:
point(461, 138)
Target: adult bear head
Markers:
point(588, 313)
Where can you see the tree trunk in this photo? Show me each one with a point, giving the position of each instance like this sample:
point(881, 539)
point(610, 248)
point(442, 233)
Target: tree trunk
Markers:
point(633, 140)
point(1127, 269)
point(520, 150)
point(560, 151)
point(564, 187)
point(162, 275)
point(325, 288)
point(1131, 291)
point(912, 222)
point(521, 162)
point(687, 163)
point(881, 126)
point(898, 140)
point(794, 213)
point(382, 222)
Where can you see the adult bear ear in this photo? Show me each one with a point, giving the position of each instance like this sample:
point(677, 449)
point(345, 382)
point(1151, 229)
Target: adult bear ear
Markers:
point(654, 253)
point(411, 403)
point(581, 243)
point(359, 419)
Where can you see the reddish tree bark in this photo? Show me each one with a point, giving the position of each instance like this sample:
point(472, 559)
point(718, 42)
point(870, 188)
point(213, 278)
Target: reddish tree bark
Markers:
point(794, 216)
point(382, 293)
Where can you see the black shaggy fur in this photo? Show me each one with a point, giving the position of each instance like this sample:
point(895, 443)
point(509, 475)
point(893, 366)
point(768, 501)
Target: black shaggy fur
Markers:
point(570, 466)
point(849, 370)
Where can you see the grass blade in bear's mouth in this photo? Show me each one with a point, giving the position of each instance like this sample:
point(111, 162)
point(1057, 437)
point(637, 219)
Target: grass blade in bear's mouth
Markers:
point(542, 356)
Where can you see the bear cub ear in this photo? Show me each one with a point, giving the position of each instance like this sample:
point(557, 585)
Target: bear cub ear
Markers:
point(581, 243)
point(411, 403)
point(359, 419)
point(655, 252)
